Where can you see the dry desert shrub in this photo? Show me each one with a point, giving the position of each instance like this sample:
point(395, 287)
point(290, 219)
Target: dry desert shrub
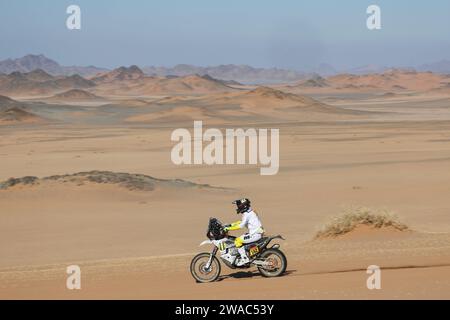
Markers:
point(353, 216)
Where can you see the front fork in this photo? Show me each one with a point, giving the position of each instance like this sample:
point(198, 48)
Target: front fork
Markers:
point(211, 256)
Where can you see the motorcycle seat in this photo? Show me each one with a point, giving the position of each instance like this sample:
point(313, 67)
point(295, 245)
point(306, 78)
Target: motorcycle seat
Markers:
point(258, 242)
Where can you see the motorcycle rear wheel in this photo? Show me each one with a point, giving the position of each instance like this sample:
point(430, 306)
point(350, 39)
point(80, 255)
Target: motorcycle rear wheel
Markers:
point(199, 272)
point(278, 263)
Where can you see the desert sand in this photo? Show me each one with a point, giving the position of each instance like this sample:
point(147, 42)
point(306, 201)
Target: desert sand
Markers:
point(134, 239)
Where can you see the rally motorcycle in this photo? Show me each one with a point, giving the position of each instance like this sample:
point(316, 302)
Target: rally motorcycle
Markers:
point(205, 267)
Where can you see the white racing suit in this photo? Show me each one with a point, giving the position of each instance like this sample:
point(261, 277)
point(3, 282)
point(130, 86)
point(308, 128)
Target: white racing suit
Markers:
point(251, 221)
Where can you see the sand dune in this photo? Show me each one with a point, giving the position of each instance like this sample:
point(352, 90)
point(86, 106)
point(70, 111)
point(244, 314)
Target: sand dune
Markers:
point(14, 112)
point(7, 103)
point(18, 116)
point(75, 95)
point(126, 180)
point(268, 98)
point(131, 102)
point(260, 104)
point(389, 80)
point(94, 208)
point(394, 80)
point(188, 84)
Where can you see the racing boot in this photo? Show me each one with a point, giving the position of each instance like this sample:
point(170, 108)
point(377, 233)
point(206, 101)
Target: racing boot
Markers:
point(243, 259)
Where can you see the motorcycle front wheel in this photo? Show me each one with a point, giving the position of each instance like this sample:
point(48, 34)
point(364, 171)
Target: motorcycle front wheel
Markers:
point(277, 263)
point(199, 271)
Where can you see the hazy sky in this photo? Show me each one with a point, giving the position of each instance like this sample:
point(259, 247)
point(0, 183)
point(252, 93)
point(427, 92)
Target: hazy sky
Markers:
point(289, 34)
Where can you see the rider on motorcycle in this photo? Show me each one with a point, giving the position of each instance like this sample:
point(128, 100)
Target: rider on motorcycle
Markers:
point(251, 221)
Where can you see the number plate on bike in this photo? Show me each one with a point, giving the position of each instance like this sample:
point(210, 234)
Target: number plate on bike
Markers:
point(254, 250)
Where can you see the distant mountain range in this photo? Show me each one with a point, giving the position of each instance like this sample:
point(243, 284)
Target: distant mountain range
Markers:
point(238, 73)
point(38, 82)
point(126, 81)
point(442, 66)
point(33, 62)
point(230, 72)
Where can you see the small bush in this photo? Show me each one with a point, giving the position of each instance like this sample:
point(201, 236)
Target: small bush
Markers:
point(354, 216)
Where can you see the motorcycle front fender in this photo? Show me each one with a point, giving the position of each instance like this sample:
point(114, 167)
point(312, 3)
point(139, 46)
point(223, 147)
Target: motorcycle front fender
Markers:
point(206, 242)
